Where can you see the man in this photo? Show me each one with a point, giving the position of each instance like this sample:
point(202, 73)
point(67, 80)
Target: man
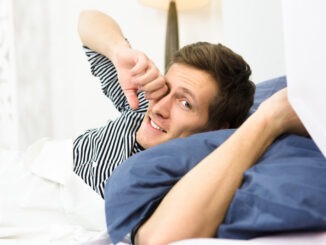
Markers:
point(207, 87)
point(183, 188)
point(206, 191)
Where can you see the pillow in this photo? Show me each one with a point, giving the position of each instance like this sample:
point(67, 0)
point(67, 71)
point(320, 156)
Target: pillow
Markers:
point(277, 194)
point(135, 189)
point(284, 192)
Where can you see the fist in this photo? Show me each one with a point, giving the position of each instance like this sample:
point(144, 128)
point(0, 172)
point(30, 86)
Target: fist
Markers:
point(136, 72)
point(282, 114)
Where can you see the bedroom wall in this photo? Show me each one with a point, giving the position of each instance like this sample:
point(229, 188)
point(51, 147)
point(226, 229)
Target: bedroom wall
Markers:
point(61, 99)
point(253, 28)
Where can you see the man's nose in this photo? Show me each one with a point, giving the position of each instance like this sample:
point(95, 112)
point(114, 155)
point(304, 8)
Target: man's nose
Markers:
point(162, 107)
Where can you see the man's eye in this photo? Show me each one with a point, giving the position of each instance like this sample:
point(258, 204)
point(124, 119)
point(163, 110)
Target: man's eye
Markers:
point(186, 104)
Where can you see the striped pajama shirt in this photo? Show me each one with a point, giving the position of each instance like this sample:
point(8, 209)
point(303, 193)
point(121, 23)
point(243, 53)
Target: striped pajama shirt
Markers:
point(99, 151)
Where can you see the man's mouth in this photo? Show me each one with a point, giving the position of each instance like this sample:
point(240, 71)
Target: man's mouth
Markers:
point(156, 127)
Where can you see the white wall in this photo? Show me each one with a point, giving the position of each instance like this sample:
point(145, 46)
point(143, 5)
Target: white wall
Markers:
point(75, 103)
point(253, 28)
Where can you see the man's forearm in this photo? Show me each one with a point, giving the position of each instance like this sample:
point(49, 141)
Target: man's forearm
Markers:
point(100, 33)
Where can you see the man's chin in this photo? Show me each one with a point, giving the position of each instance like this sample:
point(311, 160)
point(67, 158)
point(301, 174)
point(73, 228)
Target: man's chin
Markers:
point(147, 142)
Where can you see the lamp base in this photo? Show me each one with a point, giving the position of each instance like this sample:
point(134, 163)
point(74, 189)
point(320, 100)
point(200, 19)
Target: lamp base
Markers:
point(172, 33)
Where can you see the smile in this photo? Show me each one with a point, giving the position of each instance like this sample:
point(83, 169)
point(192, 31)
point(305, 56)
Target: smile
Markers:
point(156, 127)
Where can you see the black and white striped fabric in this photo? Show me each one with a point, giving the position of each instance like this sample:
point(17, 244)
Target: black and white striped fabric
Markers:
point(99, 151)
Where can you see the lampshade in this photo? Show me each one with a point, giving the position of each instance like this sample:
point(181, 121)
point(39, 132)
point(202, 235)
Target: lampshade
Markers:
point(181, 4)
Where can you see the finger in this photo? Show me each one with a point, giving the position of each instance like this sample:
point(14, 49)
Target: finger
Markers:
point(150, 75)
point(140, 66)
point(157, 84)
point(132, 98)
point(157, 94)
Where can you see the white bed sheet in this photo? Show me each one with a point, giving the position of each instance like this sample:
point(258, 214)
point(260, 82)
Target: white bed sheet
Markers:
point(316, 238)
point(308, 238)
point(42, 201)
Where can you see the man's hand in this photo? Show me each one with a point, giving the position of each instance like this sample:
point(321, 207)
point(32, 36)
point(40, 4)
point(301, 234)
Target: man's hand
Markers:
point(281, 113)
point(137, 72)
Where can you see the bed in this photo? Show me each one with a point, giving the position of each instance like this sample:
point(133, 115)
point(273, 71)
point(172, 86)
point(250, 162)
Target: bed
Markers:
point(66, 211)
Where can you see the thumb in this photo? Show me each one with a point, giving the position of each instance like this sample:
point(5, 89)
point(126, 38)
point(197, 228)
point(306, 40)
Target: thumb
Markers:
point(132, 98)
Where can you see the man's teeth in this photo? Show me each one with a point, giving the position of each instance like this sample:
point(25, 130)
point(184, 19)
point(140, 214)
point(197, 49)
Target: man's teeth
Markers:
point(155, 126)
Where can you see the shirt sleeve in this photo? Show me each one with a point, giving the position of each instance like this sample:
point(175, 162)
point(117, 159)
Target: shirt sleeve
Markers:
point(103, 68)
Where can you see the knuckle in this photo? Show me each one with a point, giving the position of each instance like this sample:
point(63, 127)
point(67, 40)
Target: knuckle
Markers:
point(162, 82)
point(154, 72)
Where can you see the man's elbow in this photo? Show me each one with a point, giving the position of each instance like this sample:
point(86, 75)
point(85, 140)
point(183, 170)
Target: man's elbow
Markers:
point(149, 235)
point(146, 237)
point(88, 13)
point(83, 15)
point(82, 22)
point(85, 20)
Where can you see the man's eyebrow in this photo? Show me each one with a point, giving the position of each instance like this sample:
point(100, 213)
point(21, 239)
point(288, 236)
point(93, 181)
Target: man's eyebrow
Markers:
point(184, 90)
point(189, 92)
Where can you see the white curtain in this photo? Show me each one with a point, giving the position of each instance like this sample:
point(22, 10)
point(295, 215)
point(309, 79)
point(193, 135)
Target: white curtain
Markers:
point(47, 89)
point(31, 44)
point(8, 115)
point(24, 73)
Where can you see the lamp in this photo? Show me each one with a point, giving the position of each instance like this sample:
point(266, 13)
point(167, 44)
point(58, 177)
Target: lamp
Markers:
point(172, 32)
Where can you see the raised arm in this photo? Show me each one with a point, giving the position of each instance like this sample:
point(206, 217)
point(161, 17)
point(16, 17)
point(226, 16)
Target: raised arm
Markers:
point(102, 34)
point(197, 204)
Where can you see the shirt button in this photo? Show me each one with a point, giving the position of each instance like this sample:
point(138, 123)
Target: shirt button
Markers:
point(94, 164)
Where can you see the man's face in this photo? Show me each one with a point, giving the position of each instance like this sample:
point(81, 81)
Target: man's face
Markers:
point(183, 111)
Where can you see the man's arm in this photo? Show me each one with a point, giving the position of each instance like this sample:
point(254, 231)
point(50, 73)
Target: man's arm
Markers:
point(197, 204)
point(102, 34)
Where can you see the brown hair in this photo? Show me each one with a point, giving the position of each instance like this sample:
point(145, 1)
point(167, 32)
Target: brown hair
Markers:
point(235, 97)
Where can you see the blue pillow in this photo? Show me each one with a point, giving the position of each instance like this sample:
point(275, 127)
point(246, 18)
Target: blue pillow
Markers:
point(284, 192)
point(135, 189)
point(277, 194)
